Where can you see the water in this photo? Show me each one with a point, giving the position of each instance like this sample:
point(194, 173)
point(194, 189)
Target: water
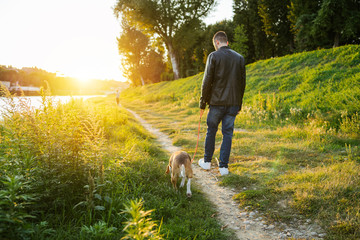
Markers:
point(35, 101)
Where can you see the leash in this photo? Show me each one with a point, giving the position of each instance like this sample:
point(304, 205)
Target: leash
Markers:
point(198, 135)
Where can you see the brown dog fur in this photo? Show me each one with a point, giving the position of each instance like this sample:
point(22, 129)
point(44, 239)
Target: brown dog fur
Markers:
point(176, 160)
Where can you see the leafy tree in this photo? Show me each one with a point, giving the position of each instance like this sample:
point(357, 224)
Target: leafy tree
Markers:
point(142, 63)
point(277, 26)
point(9, 75)
point(301, 15)
point(246, 13)
point(132, 45)
point(152, 66)
point(164, 18)
point(240, 40)
point(324, 23)
point(338, 20)
point(186, 40)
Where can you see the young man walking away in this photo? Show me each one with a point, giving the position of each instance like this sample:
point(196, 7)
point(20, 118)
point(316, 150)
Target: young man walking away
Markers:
point(223, 89)
point(117, 97)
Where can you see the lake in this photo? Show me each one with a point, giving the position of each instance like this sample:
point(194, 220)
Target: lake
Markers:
point(35, 101)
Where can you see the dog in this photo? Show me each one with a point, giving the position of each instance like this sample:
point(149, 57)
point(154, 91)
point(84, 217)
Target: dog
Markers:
point(180, 166)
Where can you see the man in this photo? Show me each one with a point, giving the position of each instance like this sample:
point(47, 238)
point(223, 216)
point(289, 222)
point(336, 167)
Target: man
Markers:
point(117, 97)
point(223, 89)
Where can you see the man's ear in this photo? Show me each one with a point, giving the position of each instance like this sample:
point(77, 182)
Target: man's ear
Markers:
point(216, 44)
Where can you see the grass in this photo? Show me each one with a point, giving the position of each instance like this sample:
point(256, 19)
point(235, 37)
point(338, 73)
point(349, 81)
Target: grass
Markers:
point(295, 151)
point(89, 170)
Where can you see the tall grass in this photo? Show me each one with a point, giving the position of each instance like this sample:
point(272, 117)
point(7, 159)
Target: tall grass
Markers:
point(70, 171)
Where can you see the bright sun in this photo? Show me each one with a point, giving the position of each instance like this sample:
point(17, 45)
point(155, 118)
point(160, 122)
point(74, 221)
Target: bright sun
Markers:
point(77, 45)
point(78, 58)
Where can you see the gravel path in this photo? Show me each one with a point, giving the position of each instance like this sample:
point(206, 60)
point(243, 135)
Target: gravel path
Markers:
point(246, 225)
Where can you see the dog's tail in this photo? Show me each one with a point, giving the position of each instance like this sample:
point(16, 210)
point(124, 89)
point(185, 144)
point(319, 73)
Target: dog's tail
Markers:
point(182, 170)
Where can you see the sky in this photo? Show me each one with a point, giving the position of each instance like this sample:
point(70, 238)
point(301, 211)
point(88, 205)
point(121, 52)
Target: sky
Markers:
point(73, 38)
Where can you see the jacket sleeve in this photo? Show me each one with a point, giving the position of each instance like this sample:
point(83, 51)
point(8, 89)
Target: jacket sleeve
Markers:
point(242, 79)
point(207, 82)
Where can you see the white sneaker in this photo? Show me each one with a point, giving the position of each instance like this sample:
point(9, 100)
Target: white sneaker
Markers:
point(224, 171)
point(204, 165)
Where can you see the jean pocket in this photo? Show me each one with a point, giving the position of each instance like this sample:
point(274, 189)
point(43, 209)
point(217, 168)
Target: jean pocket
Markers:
point(234, 110)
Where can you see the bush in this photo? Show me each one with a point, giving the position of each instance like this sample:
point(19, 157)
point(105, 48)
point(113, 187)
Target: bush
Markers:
point(139, 226)
point(65, 142)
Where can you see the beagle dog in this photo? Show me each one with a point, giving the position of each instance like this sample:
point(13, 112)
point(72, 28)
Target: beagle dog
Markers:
point(180, 165)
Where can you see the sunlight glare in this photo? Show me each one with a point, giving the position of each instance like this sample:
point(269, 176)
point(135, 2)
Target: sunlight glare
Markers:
point(76, 45)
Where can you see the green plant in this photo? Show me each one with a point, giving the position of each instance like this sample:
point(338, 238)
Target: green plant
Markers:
point(42, 231)
point(350, 125)
point(15, 199)
point(99, 230)
point(139, 225)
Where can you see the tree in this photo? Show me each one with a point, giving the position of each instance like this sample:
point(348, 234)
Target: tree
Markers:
point(164, 18)
point(240, 40)
point(143, 63)
point(325, 23)
point(246, 13)
point(337, 19)
point(132, 45)
point(301, 15)
point(277, 26)
point(152, 66)
point(186, 40)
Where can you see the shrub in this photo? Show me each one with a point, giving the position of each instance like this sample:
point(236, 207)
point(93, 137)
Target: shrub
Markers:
point(350, 125)
point(15, 200)
point(139, 226)
point(55, 148)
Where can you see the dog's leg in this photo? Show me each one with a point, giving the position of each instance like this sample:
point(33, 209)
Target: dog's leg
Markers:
point(182, 174)
point(188, 190)
point(182, 182)
point(174, 180)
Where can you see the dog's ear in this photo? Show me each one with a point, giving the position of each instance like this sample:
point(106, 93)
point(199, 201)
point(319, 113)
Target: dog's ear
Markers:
point(167, 169)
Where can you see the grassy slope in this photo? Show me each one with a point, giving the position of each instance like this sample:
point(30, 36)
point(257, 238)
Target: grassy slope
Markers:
point(291, 162)
point(327, 80)
point(324, 79)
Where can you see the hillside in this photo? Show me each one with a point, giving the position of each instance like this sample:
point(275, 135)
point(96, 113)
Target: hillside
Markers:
point(325, 81)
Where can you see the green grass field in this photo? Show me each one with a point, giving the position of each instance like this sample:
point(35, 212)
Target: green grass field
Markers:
point(89, 170)
point(296, 143)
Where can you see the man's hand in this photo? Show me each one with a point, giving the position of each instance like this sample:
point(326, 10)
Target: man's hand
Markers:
point(201, 112)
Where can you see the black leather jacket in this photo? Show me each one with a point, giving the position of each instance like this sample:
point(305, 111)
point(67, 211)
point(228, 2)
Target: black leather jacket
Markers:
point(224, 79)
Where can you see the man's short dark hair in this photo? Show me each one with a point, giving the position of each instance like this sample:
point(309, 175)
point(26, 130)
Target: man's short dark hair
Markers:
point(221, 37)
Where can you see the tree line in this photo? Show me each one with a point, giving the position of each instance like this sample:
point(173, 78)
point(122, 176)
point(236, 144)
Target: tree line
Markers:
point(58, 85)
point(167, 39)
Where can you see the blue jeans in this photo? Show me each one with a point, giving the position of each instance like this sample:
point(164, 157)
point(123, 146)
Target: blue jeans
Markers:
point(226, 115)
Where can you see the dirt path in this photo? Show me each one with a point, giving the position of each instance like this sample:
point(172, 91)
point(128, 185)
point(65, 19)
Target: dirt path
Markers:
point(247, 225)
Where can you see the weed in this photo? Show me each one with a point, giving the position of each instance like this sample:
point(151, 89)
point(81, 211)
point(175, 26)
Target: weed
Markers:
point(139, 226)
point(99, 230)
point(15, 200)
point(350, 125)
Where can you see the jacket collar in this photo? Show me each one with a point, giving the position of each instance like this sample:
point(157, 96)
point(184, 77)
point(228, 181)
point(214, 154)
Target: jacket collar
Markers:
point(224, 47)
